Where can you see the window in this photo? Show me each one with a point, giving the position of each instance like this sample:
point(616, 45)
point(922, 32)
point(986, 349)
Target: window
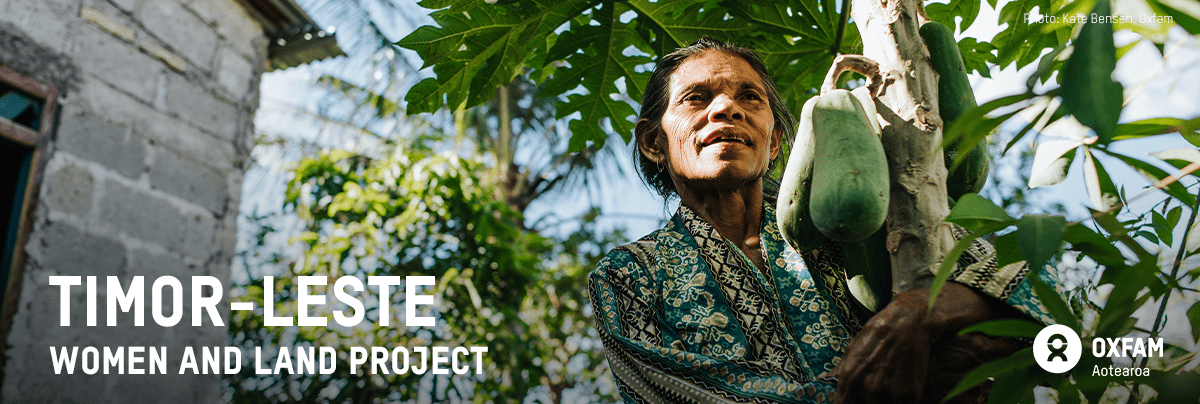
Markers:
point(26, 116)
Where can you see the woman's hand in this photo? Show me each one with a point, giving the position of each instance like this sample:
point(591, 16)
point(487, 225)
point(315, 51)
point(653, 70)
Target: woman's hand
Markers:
point(890, 360)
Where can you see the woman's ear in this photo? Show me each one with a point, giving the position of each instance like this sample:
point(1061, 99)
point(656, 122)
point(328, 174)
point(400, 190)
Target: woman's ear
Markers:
point(647, 136)
point(776, 141)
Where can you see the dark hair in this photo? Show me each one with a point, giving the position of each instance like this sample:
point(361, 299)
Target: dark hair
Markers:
point(654, 104)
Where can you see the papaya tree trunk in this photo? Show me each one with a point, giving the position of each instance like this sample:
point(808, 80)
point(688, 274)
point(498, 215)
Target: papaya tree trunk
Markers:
point(917, 239)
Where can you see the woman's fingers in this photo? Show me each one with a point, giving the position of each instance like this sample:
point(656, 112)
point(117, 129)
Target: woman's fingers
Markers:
point(887, 361)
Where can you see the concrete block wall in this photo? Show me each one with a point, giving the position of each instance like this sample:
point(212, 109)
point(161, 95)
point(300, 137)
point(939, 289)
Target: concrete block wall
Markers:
point(144, 179)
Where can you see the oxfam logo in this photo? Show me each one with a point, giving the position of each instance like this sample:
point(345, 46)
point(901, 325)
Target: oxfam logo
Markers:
point(1057, 348)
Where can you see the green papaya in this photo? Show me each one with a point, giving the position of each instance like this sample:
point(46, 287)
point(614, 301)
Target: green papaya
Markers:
point(791, 210)
point(869, 271)
point(850, 188)
point(970, 175)
point(954, 98)
point(868, 103)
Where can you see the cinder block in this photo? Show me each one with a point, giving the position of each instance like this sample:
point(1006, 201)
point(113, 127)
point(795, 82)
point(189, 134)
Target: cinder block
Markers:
point(115, 61)
point(161, 130)
point(235, 73)
point(66, 250)
point(153, 264)
point(70, 190)
point(198, 241)
point(127, 5)
point(38, 319)
point(233, 23)
point(93, 139)
point(37, 382)
point(181, 30)
point(200, 107)
point(142, 215)
point(48, 22)
point(182, 177)
point(165, 389)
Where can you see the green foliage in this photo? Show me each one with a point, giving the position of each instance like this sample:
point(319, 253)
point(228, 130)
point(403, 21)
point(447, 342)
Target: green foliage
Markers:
point(412, 212)
point(593, 54)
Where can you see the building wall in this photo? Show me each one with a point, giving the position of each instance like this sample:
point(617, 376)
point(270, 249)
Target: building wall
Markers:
point(144, 178)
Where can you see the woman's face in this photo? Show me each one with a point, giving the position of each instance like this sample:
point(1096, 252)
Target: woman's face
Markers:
point(719, 131)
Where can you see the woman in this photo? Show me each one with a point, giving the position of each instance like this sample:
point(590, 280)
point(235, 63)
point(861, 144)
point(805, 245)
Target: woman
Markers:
point(717, 307)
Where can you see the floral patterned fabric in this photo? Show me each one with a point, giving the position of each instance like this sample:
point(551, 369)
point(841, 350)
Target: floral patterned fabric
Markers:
point(686, 317)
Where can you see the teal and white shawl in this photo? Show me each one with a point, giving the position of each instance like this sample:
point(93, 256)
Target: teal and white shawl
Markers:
point(686, 317)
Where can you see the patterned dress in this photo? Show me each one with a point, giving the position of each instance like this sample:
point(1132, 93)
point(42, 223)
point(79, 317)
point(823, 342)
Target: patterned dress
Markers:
point(686, 317)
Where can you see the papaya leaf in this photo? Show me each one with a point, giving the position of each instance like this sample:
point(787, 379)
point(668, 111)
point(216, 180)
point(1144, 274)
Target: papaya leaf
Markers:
point(1088, 89)
point(683, 21)
point(477, 47)
point(598, 69)
point(977, 56)
point(816, 25)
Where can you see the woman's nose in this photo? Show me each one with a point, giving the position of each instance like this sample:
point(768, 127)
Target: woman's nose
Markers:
point(724, 108)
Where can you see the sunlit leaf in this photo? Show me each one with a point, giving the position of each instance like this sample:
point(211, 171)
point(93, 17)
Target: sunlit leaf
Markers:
point(1156, 126)
point(1051, 161)
point(1100, 188)
point(1180, 157)
point(1183, 12)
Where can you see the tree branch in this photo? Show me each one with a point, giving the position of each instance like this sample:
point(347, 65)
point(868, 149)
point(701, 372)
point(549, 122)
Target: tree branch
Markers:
point(912, 134)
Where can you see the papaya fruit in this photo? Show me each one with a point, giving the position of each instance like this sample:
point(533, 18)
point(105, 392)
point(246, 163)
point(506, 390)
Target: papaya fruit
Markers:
point(869, 271)
point(850, 189)
point(791, 209)
point(868, 103)
point(954, 98)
